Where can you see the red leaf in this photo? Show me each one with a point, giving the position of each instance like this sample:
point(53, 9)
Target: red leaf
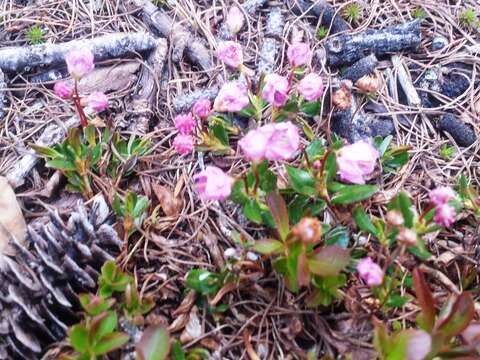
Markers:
point(279, 211)
point(425, 299)
point(461, 314)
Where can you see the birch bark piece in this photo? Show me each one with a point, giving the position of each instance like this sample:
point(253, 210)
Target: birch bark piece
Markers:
point(405, 81)
point(17, 59)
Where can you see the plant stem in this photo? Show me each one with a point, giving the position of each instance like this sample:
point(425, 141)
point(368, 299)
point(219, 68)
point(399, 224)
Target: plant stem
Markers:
point(78, 106)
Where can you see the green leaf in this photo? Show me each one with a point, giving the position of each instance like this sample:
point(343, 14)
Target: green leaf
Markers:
point(117, 206)
point(268, 246)
point(405, 206)
point(154, 344)
point(252, 211)
point(349, 194)
point(461, 314)
point(78, 337)
point(291, 278)
point(425, 300)
point(238, 194)
point(140, 207)
point(363, 221)
point(110, 342)
point(329, 261)
point(46, 151)
point(339, 236)
point(203, 281)
point(382, 145)
point(60, 164)
point(310, 108)
point(315, 150)
point(301, 181)
point(104, 324)
point(279, 211)
point(94, 305)
point(330, 167)
point(220, 133)
point(177, 352)
point(396, 301)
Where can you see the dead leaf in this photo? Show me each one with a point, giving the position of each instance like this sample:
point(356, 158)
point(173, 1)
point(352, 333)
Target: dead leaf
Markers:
point(193, 329)
point(12, 223)
point(171, 205)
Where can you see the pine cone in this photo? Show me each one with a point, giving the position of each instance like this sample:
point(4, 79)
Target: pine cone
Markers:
point(40, 284)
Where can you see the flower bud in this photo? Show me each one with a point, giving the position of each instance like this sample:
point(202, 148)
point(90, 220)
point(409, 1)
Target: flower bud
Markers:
point(311, 87)
point(308, 230)
point(183, 144)
point(342, 98)
point(79, 63)
point(202, 108)
point(232, 97)
point(213, 184)
point(185, 123)
point(230, 53)
point(97, 101)
point(357, 161)
point(368, 84)
point(394, 218)
point(275, 90)
point(370, 272)
point(299, 54)
point(445, 215)
point(441, 195)
point(235, 19)
point(407, 237)
point(63, 90)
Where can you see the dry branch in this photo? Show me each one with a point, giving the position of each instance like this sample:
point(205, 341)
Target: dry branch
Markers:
point(143, 100)
point(361, 68)
point(324, 11)
point(348, 48)
point(17, 59)
point(52, 135)
point(181, 38)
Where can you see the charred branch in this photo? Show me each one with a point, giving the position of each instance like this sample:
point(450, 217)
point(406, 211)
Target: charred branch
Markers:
point(322, 10)
point(463, 134)
point(360, 68)
point(348, 48)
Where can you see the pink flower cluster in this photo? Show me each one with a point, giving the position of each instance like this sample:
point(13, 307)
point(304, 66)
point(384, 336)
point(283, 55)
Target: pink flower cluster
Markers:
point(213, 184)
point(275, 142)
point(370, 272)
point(202, 108)
point(445, 213)
point(299, 54)
point(230, 53)
point(275, 90)
point(184, 141)
point(232, 97)
point(80, 63)
point(356, 161)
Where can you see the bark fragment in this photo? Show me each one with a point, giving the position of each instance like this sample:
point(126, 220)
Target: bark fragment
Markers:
point(348, 48)
point(184, 102)
point(17, 59)
point(361, 68)
point(462, 133)
point(325, 12)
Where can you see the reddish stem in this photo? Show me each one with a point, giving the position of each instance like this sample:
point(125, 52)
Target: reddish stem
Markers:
point(78, 106)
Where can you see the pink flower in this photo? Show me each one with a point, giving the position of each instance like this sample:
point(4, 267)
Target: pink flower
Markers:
point(370, 272)
point(183, 144)
point(356, 161)
point(63, 90)
point(185, 123)
point(284, 141)
point(230, 53)
point(471, 335)
point(97, 101)
point(235, 19)
point(445, 215)
point(213, 184)
point(299, 54)
point(311, 87)
point(275, 142)
point(232, 97)
point(79, 63)
point(253, 144)
point(442, 195)
point(275, 90)
point(202, 108)
point(419, 344)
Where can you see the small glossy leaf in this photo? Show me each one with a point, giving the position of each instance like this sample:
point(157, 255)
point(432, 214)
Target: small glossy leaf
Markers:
point(238, 194)
point(103, 325)
point(203, 281)
point(315, 149)
point(268, 246)
point(329, 261)
point(339, 236)
point(78, 337)
point(405, 206)
point(310, 108)
point(220, 133)
point(330, 167)
point(177, 352)
point(301, 181)
point(154, 344)
point(349, 194)
point(59, 164)
point(110, 342)
point(425, 300)
point(252, 211)
point(279, 211)
point(363, 221)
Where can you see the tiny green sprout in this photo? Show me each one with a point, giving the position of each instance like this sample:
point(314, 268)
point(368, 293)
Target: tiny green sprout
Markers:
point(419, 13)
point(133, 211)
point(35, 35)
point(322, 32)
point(446, 152)
point(352, 12)
point(468, 19)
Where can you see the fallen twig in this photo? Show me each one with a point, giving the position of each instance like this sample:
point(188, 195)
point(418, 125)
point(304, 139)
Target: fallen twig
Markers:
point(17, 59)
